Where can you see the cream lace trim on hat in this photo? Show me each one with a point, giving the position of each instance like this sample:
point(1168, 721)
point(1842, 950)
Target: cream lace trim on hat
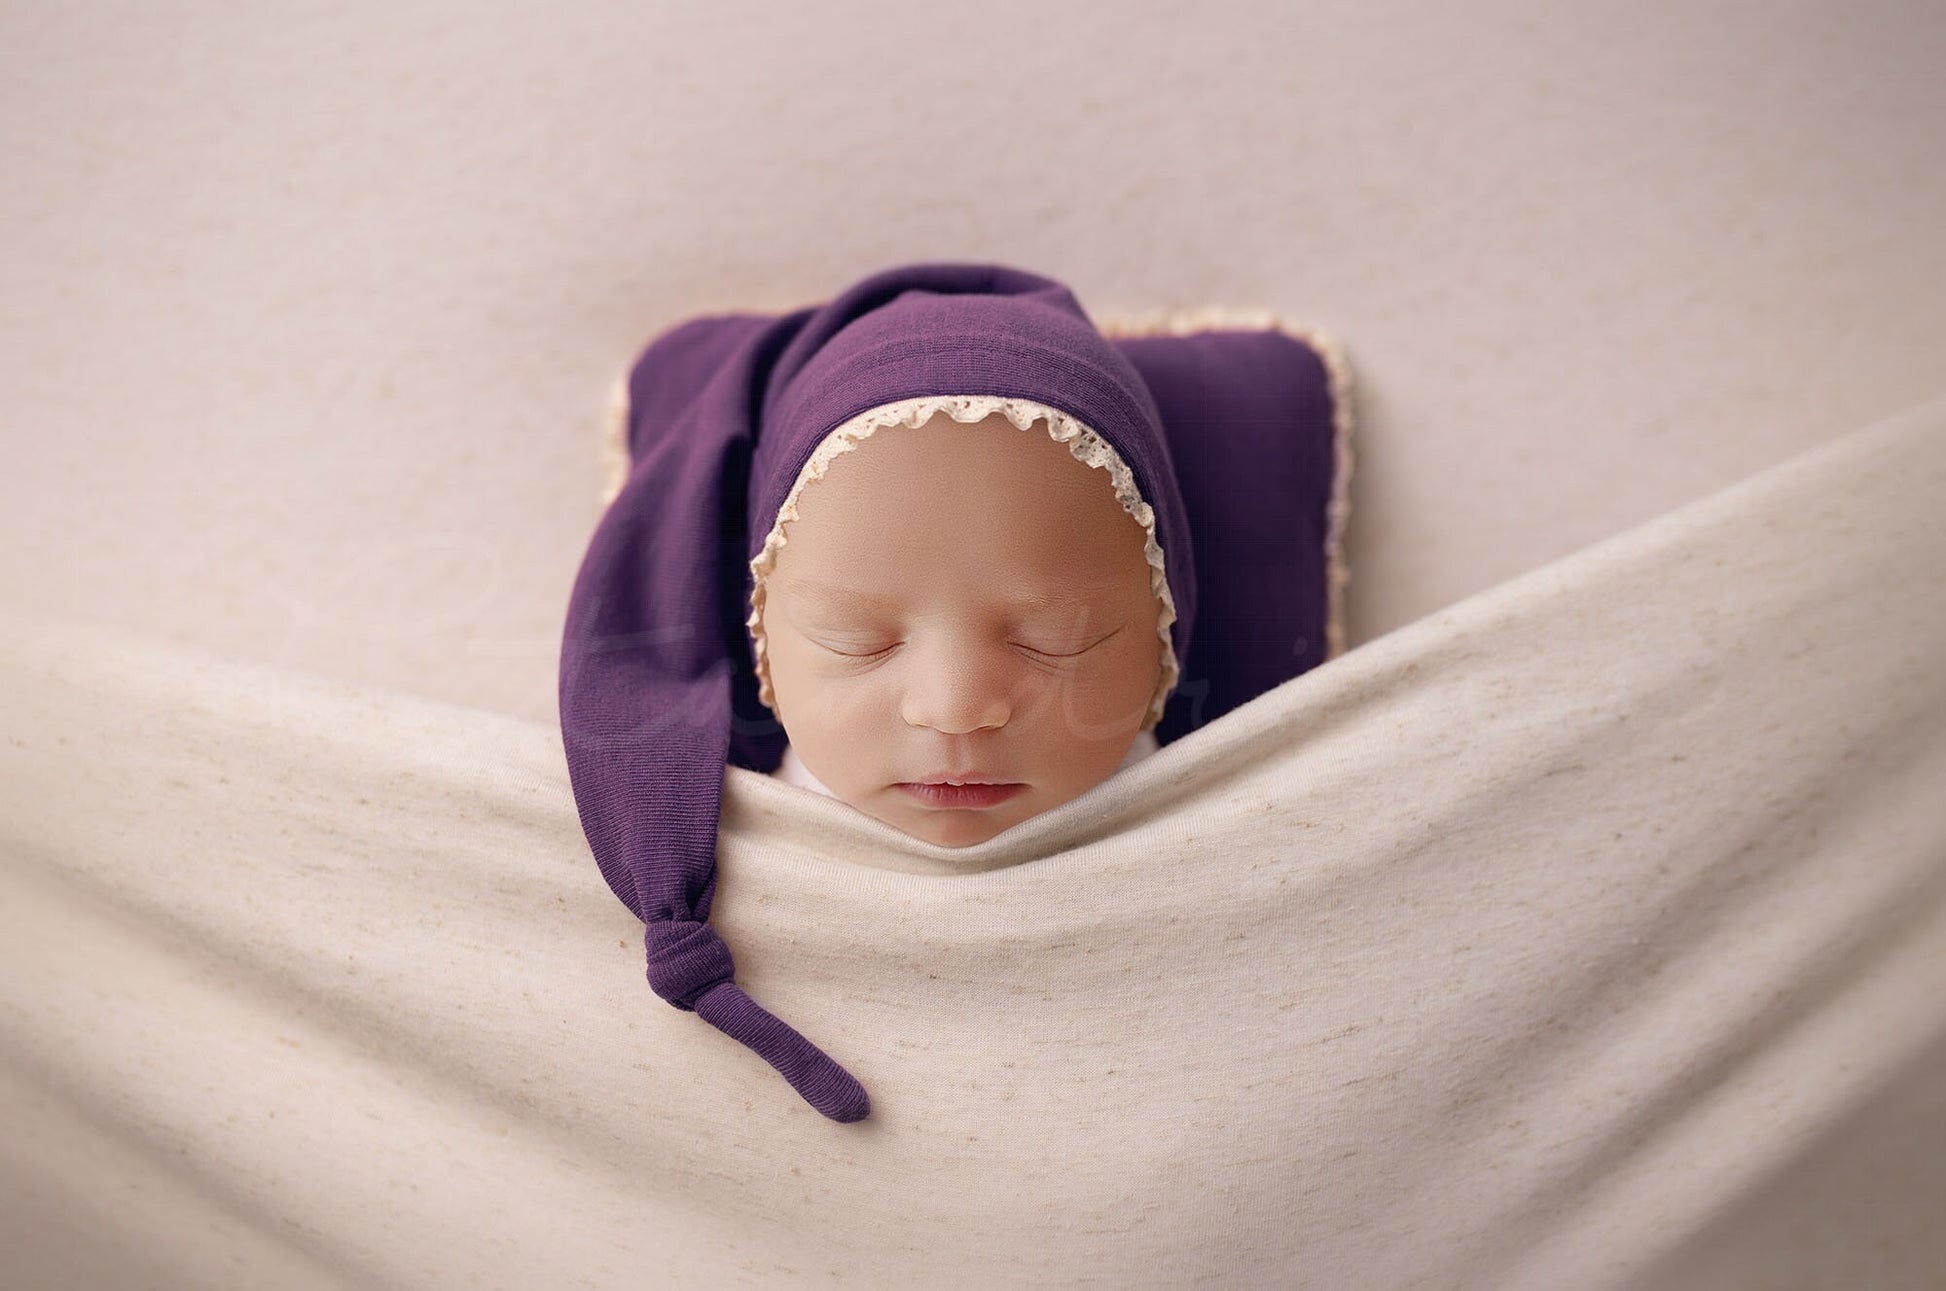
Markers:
point(1086, 446)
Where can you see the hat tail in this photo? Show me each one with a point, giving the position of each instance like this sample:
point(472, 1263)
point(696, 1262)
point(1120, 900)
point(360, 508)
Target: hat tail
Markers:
point(811, 1072)
point(690, 966)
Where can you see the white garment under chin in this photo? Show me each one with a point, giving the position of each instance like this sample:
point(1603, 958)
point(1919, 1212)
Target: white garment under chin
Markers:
point(793, 771)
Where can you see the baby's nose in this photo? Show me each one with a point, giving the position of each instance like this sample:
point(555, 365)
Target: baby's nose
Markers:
point(960, 690)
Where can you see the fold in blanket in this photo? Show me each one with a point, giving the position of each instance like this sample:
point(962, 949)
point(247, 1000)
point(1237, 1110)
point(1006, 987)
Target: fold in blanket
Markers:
point(1588, 933)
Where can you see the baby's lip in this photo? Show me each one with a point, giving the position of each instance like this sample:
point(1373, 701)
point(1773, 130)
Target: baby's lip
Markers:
point(961, 777)
point(972, 796)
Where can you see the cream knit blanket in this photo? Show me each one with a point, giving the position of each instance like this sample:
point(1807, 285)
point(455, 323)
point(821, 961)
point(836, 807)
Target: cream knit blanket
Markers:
point(1590, 932)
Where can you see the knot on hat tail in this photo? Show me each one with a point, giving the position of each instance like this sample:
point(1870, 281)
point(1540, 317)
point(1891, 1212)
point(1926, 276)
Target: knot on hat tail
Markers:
point(690, 966)
point(686, 959)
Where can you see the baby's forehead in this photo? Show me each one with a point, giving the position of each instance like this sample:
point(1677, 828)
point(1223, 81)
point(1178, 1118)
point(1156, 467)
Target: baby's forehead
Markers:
point(968, 471)
point(1046, 547)
point(956, 516)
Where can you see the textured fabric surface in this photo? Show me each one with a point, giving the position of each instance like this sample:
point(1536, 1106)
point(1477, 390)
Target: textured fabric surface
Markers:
point(330, 287)
point(1581, 934)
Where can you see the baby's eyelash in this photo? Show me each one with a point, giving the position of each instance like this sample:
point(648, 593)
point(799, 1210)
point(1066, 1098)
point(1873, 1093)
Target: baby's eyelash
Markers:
point(1024, 647)
point(1045, 654)
point(1083, 650)
point(845, 654)
point(1050, 654)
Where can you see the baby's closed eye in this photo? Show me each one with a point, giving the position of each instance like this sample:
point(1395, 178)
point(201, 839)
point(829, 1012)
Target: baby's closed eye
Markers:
point(1069, 652)
point(1044, 648)
point(857, 654)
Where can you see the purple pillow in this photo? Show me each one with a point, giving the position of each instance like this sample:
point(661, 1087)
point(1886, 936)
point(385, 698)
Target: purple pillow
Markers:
point(1270, 566)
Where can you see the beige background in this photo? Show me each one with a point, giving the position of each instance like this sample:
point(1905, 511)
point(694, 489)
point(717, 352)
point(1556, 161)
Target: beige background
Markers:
point(307, 312)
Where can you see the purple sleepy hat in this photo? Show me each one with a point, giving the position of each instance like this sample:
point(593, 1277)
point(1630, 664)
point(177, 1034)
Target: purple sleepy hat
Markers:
point(660, 686)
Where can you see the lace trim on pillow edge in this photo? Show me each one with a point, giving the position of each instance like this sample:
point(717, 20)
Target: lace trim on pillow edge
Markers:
point(614, 442)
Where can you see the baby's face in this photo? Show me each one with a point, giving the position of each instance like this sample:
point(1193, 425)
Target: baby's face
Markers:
point(966, 601)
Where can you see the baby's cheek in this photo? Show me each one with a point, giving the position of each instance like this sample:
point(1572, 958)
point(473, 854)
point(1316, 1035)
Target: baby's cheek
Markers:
point(1120, 690)
point(843, 709)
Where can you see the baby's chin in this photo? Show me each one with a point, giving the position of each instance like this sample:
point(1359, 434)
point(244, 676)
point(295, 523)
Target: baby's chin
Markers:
point(953, 827)
point(957, 833)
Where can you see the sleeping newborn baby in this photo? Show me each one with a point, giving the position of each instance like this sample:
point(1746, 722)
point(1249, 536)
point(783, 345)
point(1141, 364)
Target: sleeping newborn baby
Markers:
point(958, 628)
point(935, 528)
point(944, 509)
